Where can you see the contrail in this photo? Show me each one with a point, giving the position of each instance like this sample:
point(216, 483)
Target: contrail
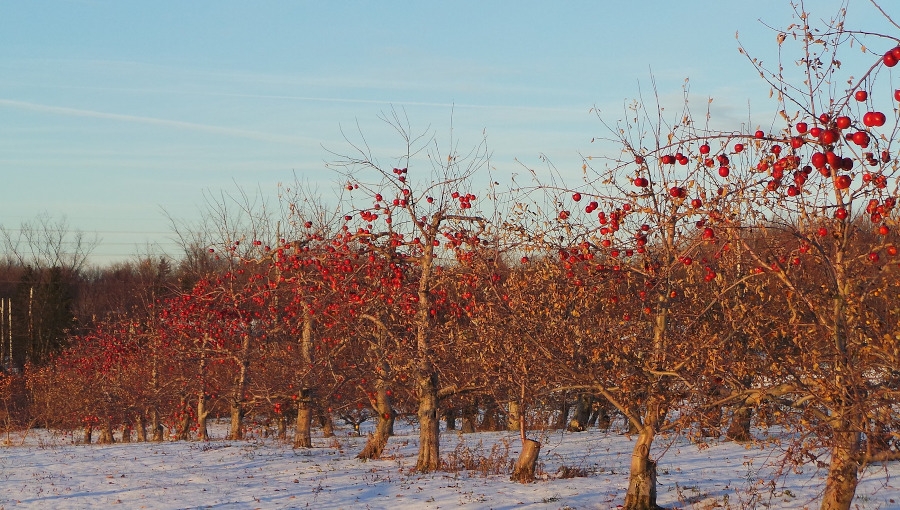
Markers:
point(75, 112)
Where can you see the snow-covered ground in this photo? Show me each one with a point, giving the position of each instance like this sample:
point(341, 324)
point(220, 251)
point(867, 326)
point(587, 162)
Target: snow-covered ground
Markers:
point(44, 470)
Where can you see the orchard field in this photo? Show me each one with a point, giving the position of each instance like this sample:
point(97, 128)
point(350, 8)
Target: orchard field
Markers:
point(583, 470)
point(709, 317)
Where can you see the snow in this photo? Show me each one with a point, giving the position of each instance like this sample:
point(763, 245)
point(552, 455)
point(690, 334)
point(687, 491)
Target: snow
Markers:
point(41, 469)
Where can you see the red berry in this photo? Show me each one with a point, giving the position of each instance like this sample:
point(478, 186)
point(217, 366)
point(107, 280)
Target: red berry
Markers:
point(704, 149)
point(867, 119)
point(818, 160)
point(723, 171)
point(759, 134)
point(576, 197)
point(842, 122)
point(860, 138)
point(738, 147)
point(828, 137)
point(801, 127)
point(861, 95)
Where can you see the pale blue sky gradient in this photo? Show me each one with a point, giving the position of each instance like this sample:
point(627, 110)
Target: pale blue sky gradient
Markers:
point(112, 111)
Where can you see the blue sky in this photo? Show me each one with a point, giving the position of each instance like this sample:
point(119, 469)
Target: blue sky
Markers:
point(112, 112)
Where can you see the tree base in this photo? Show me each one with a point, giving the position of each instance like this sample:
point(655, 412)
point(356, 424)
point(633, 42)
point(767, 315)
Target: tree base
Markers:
point(525, 465)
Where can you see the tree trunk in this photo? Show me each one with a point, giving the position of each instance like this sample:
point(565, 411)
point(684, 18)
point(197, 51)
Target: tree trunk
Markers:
point(602, 419)
point(739, 428)
point(141, 428)
point(88, 432)
point(582, 413)
point(281, 424)
point(562, 420)
point(155, 426)
point(525, 464)
point(184, 421)
point(202, 412)
point(840, 486)
point(429, 425)
point(450, 418)
point(106, 435)
point(490, 422)
point(202, 416)
point(303, 427)
point(384, 428)
point(512, 417)
point(469, 418)
point(642, 478)
point(326, 422)
point(711, 425)
point(126, 433)
point(236, 429)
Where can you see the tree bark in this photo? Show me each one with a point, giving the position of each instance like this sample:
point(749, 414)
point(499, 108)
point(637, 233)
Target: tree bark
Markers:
point(469, 418)
point(642, 478)
point(326, 422)
point(202, 412)
point(281, 426)
point(582, 413)
point(106, 435)
point(562, 420)
point(303, 428)
point(141, 428)
point(236, 431)
point(739, 428)
point(429, 425)
point(88, 432)
point(525, 464)
point(490, 422)
point(602, 419)
point(156, 427)
point(641, 493)
point(512, 417)
point(184, 422)
point(840, 486)
point(450, 418)
point(202, 416)
point(384, 428)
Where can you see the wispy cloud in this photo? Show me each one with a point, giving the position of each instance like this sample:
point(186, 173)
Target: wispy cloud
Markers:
point(137, 119)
